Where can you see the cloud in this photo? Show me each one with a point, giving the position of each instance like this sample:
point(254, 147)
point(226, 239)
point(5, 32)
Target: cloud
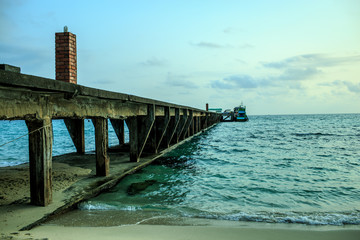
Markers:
point(154, 62)
point(299, 74)
point(306, 66)
point(311, 60)
point(175, 80)
point(209, 45)
point(290, 78)
point(290, 70)
point(352, 87)
point(232, 30)
point(235, 82)
point(246, 46)
point(228, 30)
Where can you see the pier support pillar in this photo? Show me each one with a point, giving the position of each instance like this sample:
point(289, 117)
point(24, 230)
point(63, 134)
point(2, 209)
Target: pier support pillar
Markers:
point(151, 143)
point(180, 129)
point(162, 124)
point(76, 130)
point(202, 122)
point(185, 132)
point(40, 156)
point(132, 123)
point(139, 130)
point(119, 128)
point(198, 124)
point(195, 125)
point(101, 146)
point(171, 129)
point(192, 127)
point(206, 120)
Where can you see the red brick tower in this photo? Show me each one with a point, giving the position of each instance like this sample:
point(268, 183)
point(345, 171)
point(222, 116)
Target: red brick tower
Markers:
point(65, 56)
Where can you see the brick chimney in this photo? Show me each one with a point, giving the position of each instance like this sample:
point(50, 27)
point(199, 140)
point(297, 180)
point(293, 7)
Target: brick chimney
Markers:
point(65, 56)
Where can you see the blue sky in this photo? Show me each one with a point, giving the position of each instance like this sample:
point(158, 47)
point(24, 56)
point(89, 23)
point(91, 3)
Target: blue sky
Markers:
point(278, 57)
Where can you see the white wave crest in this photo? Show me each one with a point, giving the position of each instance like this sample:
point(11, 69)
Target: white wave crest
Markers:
point(104, 207)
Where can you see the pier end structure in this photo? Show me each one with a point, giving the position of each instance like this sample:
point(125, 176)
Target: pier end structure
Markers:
point(66, 71)
point(65, 56)
point(153, 125)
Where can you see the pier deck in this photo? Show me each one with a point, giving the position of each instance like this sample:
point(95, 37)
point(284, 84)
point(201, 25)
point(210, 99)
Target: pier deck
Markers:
point(153, 125)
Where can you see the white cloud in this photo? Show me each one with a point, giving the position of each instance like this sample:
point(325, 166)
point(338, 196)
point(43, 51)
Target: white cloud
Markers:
point(210, 45)
point(177, 80)
point(154, 62)
point(311, 60)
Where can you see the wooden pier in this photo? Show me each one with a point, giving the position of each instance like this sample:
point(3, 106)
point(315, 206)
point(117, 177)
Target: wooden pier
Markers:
point(153, 125)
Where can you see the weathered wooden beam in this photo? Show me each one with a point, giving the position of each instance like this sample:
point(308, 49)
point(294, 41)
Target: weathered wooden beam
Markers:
point(192, 127)
point(173, 125)
point(182, 123)
point(119, 128)
point(158, 131)
point(206, 120)
point(151, 145)
point(147, 123)
point(202, 122)
point(199, 124)
point(132, 123)
point(187, 125)
point(76, 129)
point(101, 146)
point(21, 104)
point(139, 130)
point(196, 130)
point(40, 156)
point(162, 127)
point(18, 80)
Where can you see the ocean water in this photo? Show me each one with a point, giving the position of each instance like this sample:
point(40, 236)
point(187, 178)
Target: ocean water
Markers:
point(17, 152)
point(278, 169)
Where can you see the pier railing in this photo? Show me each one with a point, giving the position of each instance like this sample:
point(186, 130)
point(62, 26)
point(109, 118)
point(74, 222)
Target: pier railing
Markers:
point(153, 124)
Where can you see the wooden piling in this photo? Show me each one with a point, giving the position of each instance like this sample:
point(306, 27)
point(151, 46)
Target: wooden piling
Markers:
point(139, 135)
point(151, 143)
point(192, 127)
point(119, 128)
point(132, 123)
point(76, 129)
point(171, 132)
point(187, 125)
point(162, 127)
point(101, 146)
point(181, 126)
point(198, 124)
point(40, 156)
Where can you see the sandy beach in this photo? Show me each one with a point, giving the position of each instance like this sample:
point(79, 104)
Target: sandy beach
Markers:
point(218, 231)
point(74, 180)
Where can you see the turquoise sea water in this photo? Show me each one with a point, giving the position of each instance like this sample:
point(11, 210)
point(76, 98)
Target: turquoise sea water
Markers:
point(16, 152)
point(293, 169)
point(284, 169)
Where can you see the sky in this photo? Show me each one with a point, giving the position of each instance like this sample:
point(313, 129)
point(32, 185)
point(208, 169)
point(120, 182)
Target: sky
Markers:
point(277, 57)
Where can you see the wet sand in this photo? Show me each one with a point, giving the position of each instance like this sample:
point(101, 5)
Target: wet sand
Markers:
point(222, 230)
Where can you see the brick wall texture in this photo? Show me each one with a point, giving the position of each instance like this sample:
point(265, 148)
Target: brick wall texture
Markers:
point(65, 57)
